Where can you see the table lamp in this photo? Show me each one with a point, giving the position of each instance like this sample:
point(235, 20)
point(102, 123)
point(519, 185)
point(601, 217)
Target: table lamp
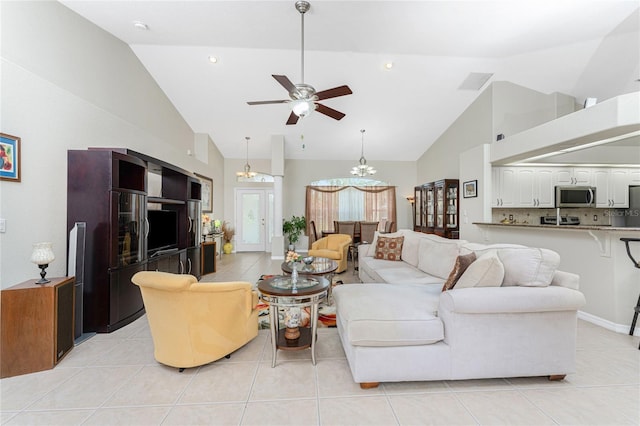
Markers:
point(42, 255)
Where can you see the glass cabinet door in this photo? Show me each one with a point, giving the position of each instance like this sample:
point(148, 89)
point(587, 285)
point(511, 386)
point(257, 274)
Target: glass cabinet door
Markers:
point(131, 213)
point(194, 223)
point(440, 207)
point(430, 203)
point(417, 208)
point(452, 206)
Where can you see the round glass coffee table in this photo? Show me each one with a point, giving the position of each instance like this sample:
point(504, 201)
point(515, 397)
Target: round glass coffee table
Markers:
point(321, 266)
point(281, 292)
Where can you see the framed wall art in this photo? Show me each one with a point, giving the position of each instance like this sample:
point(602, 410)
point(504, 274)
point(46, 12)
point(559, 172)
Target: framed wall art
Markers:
point(9, 157)
point(206, 194)
point(470, 189)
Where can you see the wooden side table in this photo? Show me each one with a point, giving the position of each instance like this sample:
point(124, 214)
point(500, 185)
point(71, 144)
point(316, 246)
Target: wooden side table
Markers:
point(37, 325)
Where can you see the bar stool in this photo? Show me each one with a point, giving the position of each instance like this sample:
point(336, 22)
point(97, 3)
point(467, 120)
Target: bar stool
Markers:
point(637, 265)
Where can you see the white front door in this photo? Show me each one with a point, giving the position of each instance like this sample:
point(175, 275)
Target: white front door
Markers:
point(254, 219)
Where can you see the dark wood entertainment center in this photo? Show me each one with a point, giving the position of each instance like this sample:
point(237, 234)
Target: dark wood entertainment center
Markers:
point(108, 190)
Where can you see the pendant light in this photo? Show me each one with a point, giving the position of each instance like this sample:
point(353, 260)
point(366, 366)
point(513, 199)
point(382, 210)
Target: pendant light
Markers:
point(246, 173)
point(362, 169)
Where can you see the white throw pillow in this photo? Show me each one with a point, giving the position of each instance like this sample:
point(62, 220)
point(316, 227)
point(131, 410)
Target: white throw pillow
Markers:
point(529, 267)
point(485, 271)
point(410, 248)
point(437, 257)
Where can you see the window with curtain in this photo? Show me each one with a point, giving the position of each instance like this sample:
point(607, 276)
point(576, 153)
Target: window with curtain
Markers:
point(330, 202)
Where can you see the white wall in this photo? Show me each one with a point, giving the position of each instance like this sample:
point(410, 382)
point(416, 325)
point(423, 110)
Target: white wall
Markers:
point(474, 165)
point(66, 84)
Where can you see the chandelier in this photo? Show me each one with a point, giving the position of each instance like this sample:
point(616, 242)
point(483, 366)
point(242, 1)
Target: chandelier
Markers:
point(246, 173)
point(362, 169)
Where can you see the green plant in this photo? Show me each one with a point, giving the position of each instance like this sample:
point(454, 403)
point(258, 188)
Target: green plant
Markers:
point(294, 227)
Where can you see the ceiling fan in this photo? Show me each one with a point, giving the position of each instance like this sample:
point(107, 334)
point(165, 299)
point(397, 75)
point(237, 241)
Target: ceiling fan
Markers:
point(304, 98)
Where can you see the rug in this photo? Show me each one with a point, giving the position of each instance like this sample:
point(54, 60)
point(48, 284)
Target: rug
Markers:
point(326, 312)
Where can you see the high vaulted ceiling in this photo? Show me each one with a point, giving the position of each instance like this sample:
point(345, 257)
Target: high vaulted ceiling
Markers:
point(433, 45)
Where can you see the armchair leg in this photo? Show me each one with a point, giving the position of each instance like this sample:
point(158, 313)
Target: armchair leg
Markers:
point(227, 356)
point(180, 370)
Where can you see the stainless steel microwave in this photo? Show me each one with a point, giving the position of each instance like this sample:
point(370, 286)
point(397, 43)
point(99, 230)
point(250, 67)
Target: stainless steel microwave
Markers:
point(575, 196)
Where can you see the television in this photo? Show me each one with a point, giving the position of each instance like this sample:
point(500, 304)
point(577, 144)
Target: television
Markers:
point(163, 231)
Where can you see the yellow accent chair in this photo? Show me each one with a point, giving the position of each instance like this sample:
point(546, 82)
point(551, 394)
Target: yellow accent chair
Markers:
point(195, 323)
point(333, 246)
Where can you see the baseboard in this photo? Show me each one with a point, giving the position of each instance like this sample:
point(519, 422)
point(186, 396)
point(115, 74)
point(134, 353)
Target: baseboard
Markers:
point(609, 325)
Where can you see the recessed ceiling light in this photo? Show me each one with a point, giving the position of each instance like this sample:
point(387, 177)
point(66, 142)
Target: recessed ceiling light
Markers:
point(213, 59)
point(388, 65)
point(140, 25)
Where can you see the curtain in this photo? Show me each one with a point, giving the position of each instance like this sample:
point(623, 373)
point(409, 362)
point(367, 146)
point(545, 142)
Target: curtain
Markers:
point(325, 204)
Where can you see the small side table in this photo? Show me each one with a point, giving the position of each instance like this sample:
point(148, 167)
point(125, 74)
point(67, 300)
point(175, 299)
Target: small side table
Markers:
point(280, 292)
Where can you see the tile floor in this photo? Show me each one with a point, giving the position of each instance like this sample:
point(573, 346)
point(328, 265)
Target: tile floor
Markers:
point(112, 379)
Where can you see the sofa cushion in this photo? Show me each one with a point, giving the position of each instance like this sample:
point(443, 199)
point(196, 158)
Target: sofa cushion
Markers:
point(486, 271)
point(387, 315)
point(410, 248)
point(531, 267)
point(407, 275)
point(461, 265)
point(437, 255)
point(389, 248)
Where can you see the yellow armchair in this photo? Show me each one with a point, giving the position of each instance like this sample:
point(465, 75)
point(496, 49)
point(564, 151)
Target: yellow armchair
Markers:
point(333, 246)
point(196, 323)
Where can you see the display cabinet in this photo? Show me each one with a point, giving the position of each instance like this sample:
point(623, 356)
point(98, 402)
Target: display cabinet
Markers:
point(446, 200)
point(107, 190)
point(436, 208)
point(128, 231)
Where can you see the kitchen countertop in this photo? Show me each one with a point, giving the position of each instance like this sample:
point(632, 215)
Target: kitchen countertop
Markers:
point(561, 227)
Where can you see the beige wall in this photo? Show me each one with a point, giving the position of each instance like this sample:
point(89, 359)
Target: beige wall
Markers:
point(66, 84)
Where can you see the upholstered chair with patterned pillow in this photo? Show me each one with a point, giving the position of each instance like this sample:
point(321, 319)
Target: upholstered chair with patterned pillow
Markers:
point(333, 246)
point(194, 323)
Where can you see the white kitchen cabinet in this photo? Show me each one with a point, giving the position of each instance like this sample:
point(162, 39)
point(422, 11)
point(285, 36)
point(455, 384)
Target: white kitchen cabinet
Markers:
point(535, 187)
point(612, 187)
point(505, 186)
point(634, 177)
point(579, 176)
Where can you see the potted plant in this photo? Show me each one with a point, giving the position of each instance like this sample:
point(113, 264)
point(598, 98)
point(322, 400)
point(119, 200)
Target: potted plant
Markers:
point(293, 228)
point(227, 235)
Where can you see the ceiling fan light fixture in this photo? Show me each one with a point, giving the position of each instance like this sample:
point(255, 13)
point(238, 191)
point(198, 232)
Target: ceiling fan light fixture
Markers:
point(303, 107)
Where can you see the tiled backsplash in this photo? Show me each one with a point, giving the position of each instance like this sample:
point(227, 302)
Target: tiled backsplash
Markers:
point(532, 216)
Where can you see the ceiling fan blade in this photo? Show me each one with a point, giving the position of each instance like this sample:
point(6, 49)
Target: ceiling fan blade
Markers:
point(335, 114)
point(334, 93)
point(282, 101)
point(293, 119)
point(286, 83)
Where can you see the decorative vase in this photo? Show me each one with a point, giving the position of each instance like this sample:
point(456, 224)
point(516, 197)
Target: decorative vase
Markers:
point(227, 248)
point(294, 273)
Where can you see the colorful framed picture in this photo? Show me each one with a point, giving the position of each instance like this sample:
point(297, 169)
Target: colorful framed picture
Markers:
point(206, 194)
point(470, 189)
point(9, 157)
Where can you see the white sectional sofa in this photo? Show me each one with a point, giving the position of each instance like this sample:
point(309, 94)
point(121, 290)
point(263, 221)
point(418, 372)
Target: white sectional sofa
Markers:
point(511, 314)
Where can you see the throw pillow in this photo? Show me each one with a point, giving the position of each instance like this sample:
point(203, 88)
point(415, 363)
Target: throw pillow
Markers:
point(462, 263)
point(372, 247)
point(530, 267)
point(389, 248)
point(486, 271)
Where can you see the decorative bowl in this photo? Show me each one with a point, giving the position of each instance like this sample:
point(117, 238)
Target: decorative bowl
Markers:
point(308, 260)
